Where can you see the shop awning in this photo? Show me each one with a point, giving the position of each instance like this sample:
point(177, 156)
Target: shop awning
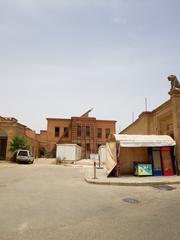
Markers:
point(127, 140)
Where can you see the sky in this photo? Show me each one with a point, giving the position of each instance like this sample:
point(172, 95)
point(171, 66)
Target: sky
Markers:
point(59, 58)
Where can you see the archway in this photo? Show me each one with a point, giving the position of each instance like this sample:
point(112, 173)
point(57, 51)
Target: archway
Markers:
point(3, 144)
point(42, 152)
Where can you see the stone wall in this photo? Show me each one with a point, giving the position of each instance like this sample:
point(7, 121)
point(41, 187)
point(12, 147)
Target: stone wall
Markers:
point(175, 101)
point(164, 120)
point(13, 128)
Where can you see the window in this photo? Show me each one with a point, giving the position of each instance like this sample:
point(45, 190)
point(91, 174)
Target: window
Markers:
point(23, 153)
point(79, 131)
point(88, 148)
point(87, 131)
point(98, 145)
point(99, 132)
point(66, 132)
point(108, 131)
point(56, 131)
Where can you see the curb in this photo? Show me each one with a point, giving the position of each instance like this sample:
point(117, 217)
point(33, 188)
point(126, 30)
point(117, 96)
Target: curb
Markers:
point(135, 184)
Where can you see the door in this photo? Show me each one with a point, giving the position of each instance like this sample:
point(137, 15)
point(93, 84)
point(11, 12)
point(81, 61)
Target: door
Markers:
point(167, 161)
point(157, 166)
point(3, 147)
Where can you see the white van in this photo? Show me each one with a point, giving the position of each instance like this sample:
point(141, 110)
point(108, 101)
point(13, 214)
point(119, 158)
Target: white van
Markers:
point(24, 156)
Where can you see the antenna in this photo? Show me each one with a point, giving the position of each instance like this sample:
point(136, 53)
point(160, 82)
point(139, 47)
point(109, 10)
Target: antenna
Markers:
point(146, 106)
point(132, 116)
point(118, 128)
point(86, 113)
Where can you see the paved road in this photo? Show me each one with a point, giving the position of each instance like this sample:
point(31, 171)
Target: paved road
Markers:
point(44, 202)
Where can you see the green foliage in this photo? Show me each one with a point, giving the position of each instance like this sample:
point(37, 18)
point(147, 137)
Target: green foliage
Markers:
point(18, 142)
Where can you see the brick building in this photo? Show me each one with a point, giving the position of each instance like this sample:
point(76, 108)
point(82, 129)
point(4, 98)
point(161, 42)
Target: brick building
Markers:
point(163, 120)
point(87, 132)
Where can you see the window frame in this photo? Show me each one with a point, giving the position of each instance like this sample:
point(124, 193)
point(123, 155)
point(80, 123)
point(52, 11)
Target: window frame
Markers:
point(107, 133)
point(67, 134)
point(79, 131)
point(99, 133)
point(88, 131)
point(56, 133)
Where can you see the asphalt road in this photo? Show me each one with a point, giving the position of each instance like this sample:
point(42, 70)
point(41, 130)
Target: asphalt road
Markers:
point(49, 202)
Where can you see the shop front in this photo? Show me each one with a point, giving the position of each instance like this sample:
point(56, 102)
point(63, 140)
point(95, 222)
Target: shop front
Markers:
point(141, 155)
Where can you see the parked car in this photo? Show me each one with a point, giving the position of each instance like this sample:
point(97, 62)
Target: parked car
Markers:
point(24, 156)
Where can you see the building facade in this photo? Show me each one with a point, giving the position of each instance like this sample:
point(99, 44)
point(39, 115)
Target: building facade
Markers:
point(163, 120)
point(87, 132)
point(9, 128)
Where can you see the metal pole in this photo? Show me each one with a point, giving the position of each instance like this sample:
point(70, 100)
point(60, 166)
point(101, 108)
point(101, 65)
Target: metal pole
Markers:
point(132, 116)
point(119, 128)
point(99, 163)
point(146, 104)
point(95, 170)
point(99, 167)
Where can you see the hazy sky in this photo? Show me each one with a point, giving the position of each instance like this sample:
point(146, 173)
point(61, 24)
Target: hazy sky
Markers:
point(58, 58)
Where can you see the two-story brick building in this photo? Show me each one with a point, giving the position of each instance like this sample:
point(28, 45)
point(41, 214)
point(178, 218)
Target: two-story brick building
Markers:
point(87, 132)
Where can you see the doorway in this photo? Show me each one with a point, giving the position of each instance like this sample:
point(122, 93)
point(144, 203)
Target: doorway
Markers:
point(3, 144)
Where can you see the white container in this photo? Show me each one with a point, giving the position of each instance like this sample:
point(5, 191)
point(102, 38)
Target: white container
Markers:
point(68, 152)
point(102, 154)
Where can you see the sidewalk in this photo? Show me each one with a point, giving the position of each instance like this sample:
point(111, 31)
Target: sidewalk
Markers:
point(128, 180)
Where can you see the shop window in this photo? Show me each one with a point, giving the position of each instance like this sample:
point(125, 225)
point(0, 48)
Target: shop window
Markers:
point(99, 132)
point(57, 132)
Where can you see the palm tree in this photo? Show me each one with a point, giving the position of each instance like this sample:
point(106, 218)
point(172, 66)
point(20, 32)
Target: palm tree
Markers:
point(18, 142)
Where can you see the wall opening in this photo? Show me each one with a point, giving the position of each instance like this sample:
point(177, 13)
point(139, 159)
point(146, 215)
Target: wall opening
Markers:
point(3, 144)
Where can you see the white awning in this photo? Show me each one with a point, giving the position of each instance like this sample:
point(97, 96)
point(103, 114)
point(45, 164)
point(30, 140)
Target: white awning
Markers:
point(127, 140)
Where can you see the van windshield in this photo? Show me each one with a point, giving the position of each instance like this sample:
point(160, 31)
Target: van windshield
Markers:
point(23, 153)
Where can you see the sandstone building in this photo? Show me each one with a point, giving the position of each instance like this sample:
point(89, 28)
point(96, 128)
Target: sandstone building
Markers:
point(9, 128)
point(163, 120)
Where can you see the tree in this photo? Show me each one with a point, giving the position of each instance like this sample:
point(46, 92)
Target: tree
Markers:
point(18, 142)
